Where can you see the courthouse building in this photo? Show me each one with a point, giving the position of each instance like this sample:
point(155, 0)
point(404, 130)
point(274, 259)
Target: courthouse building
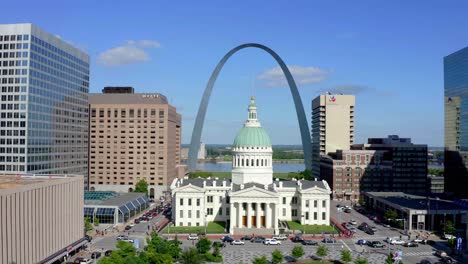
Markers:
point(251, 202)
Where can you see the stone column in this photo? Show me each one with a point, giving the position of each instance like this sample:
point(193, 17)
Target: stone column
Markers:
point(410, 220)
point(258, 209)
point(275, 217)
point(239, 214)
point(232, 218)
point(249, 215)
point(267, 215)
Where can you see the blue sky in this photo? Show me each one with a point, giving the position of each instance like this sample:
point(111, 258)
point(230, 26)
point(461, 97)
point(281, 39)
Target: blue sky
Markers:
point(388, 53)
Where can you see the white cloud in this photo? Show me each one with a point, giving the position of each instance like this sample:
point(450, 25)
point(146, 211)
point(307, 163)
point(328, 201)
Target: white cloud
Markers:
point(302, 75)
point(132, 51)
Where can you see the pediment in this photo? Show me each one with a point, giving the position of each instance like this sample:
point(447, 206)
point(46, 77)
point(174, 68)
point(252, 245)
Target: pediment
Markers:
point(316, 189)
point(254, 192)
point(189, 188)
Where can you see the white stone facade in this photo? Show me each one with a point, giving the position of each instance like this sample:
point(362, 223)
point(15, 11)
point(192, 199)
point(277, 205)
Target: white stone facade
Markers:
point(251, 202)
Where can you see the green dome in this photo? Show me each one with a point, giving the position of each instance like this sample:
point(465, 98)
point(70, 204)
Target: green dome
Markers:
point(252, 137)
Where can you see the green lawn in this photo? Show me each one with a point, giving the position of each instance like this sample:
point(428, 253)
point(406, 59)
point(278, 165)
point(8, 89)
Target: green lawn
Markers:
point(311, 229)
point(212, 228)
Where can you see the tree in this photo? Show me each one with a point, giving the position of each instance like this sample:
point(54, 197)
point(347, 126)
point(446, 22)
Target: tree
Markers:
point(96, 221)
point(346, 256)
point(88, 225)
point(389, 259)
point(260, 260)
point(277, 256)
point(191, 256)
point(203, 245)
point(390, 215)
point(322, 251)
point(217, 250)
point(297, 252)
point(306, 174)
point(141, 187)
point(451, 243)
point(449, 227)
point(161, 246)
point(360, 260)
point(155, 258)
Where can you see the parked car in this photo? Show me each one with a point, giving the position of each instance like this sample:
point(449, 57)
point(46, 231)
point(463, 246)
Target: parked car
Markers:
point(237, 242)
point(192, 237)
point(88, 238)
point(376, 244)
point(339, 205)
point(419, 240)
point(155, 214)
point(373, 228)
point(85, 261)
point(108, 253)
point(425, 261)
point(353, 222)
point(440, 253)
point(79, 260)
point(448, 236)
point(271, 242)
point(410, 244)
point(131, 225)
point(137, 221)
point(328, 240)
point(280, 237)
point(394, 241)
point(362, 242)
point(352, 229)
point(227, 239)
point(257, 240)
point(95, 255)
point(129, 240)
point(246, 238)
point(297, 239)
point(369, 231)
point(347, 210)
point(121, 237)
point(362, 227)
point(309, 242)
point(128, 228)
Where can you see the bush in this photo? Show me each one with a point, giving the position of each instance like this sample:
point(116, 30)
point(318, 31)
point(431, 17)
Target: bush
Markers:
point(277, 256)
point(346, 256)
point(212, 258)
point(360, 260)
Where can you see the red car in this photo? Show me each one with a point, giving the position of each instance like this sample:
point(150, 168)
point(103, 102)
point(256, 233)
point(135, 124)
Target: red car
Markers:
point(155, 214)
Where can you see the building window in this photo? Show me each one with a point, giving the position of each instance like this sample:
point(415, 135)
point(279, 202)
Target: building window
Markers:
point(315, 203)
point(228, 211)
point(198, 224)
point(221, 211)
point(181, 213)
point(190, 201)
point(307, 215)
point(198, 213)
point(209, 199)
point(315, 215)
point(324, 204)
point(324, 216)
point(294, 200)
point(284, 211)
point(198, 202)
point(284, 200)
point(209, 211)
point(189, 213)
point(307, 203)
point(181, 201)
point(294, 212)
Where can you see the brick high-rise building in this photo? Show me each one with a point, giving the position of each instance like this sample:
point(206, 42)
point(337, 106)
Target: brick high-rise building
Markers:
point(133, 137)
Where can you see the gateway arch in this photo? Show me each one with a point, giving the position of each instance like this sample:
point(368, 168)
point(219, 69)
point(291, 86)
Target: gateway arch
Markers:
point(301, 118)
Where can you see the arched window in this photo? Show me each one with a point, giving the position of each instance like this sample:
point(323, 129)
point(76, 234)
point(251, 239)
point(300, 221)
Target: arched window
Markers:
point(130, 189)
point(257, 163)
point(262, 163)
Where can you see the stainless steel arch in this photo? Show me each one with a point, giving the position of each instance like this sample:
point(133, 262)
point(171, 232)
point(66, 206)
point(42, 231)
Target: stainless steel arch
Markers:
point(301, 118)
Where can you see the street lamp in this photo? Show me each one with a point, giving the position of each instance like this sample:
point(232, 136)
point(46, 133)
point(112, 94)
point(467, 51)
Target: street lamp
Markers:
point(303, 225)
point(206, 223)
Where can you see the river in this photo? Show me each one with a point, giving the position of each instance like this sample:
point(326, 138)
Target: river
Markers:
point(226, 166)
point(277, 167)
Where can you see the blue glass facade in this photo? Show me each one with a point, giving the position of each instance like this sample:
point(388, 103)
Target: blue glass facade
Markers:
point(44, 107)
point(456, 122)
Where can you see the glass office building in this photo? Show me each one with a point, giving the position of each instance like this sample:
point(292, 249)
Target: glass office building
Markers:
point(44, 82)
point(456, 122)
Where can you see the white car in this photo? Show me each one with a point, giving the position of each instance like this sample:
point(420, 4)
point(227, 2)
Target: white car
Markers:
point(122, 237)
point(132, 224)
point(237, 242)
point(448, 236)
point(129, 240)
point(396, 242)
point(280, 237)
point(86, 261)
point(353, 222)
point(271, 242)
point(192, 237)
